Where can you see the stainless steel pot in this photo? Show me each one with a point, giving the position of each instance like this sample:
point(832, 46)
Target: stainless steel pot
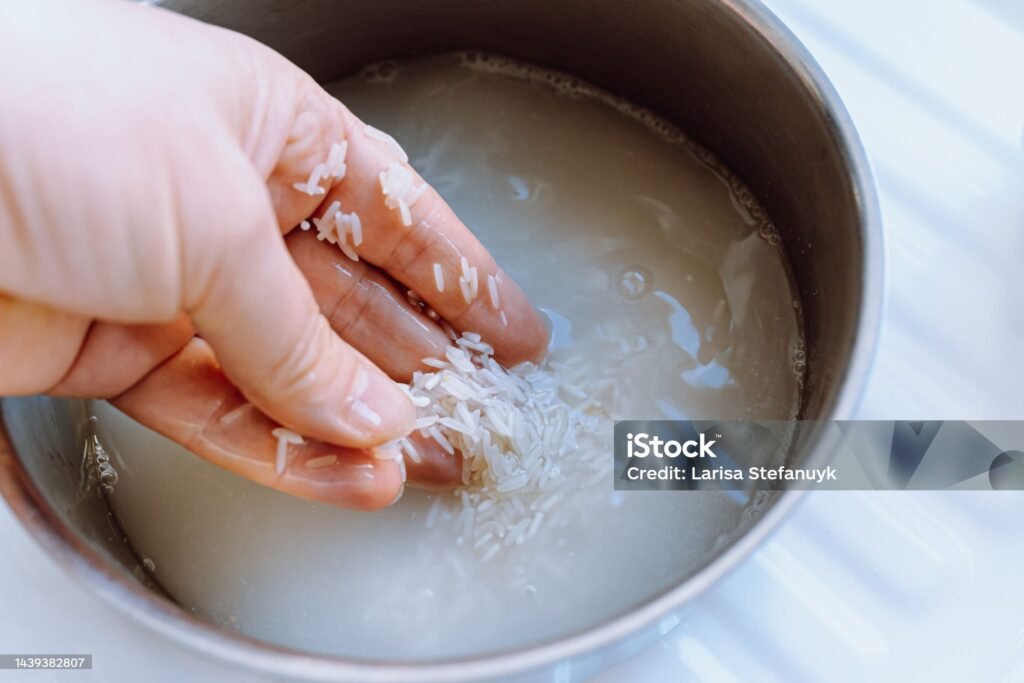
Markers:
point(728, 73)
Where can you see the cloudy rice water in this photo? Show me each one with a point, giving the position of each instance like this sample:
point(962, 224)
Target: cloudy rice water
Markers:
point(668, 297)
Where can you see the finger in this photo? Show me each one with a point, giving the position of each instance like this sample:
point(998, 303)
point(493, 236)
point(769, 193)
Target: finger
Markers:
point(409, 253)
point(188, 399)
point(434, 467)
point(249, 300)
point(368, 309)
point(37, 345)
point(113, 357)
point(362, 304)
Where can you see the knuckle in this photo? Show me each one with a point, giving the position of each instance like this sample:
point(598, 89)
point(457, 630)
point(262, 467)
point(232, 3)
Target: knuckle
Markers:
point(350, 298)
point(422, 237)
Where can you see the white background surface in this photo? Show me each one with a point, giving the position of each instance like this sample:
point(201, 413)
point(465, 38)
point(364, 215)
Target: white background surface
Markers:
point(856, 586)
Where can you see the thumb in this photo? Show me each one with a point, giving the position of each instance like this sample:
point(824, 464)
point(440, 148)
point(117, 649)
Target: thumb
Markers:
point(249, 300)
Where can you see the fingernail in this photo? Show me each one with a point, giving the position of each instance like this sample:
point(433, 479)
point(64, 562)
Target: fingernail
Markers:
point(391, 451)
point(399, 496)
point(377, 405)
point(545, 320)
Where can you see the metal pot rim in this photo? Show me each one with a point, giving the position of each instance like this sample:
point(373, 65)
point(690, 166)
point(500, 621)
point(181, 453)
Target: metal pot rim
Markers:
point(170, 620)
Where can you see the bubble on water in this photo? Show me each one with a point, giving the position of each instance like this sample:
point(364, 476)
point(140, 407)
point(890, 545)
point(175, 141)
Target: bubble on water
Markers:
point(381, 72)
point(769, 233)
point(798, 358)
point(633, 282)
point(97, 470)
point(572, 87)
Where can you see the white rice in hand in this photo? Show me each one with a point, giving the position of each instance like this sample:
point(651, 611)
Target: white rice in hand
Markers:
point(285, 437)
point(520, 437)
point(396, 183)
point(334, 168)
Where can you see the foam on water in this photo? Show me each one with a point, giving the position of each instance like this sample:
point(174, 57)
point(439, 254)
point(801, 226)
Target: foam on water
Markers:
point(663, 279)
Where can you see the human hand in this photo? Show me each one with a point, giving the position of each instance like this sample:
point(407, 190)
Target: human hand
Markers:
point(147, 164)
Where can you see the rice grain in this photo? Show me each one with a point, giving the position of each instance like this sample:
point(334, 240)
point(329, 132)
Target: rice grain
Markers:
point(492, 291)
point(285, 437)
point(439, 277)
point(523, 440)
point(380, 136)
point(321, 462)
